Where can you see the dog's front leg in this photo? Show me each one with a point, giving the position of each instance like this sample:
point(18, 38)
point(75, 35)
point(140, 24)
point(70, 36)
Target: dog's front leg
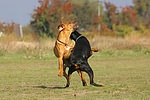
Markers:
point(60, 66)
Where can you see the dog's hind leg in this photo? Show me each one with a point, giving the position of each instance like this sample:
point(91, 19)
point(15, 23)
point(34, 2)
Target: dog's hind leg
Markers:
point(65, 65)
point(81, 75)
point(70, 71)
point(85, 67)
point(64, 72)
point(82, 78)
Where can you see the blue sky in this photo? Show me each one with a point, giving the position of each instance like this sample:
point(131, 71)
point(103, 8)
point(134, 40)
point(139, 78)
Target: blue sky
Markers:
point(19, 11)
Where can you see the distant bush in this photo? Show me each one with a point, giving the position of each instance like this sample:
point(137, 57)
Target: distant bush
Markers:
point(122, 30)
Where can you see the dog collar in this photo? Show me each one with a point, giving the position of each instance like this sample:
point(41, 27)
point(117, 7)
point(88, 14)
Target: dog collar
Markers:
point(62, 42)
point(79, 37)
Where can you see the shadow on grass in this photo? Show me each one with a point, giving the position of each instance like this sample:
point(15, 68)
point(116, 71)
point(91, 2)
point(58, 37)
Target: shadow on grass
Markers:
point(45, 87)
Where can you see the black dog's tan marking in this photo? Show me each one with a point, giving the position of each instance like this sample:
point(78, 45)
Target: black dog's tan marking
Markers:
point(79, 56)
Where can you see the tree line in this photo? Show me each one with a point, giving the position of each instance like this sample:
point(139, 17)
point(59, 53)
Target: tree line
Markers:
point(111, 20)
point(47, 16)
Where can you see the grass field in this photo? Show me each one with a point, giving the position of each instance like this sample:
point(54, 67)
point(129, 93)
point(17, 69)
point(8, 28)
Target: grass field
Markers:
point(126, 76)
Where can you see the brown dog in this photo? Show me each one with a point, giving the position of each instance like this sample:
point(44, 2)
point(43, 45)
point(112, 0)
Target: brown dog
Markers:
point(64, 45)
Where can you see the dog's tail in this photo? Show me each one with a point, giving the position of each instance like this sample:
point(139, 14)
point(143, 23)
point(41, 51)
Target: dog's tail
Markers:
point(94, 49)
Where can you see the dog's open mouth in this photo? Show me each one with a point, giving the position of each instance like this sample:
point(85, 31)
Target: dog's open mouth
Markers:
point(75, 27)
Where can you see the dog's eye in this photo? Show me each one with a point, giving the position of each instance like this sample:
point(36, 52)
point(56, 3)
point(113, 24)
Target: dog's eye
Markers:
point(69, 22)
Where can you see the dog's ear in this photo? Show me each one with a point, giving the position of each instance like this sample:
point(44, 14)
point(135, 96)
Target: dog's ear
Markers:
point(61, 27)
point(62, 20)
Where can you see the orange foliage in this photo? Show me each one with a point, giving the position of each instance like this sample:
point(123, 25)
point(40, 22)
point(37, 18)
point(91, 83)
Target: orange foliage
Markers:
point(41, 9)
point(46, 3)
point(95, 20)
point(129, 13)
point(111, 14)
point(7, 27)
point(68, 8)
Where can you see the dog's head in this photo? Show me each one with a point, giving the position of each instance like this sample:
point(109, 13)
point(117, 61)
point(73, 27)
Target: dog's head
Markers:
point(68, 26)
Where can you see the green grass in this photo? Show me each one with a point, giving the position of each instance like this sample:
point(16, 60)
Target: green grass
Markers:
point(126, 75)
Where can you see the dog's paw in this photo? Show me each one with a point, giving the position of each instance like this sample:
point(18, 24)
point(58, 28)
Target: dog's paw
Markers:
point(60, 73)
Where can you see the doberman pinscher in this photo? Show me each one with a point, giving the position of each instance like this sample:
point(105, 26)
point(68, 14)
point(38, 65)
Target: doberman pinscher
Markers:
point(79, 56)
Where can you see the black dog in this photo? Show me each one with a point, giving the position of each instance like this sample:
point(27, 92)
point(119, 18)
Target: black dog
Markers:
point(79, 56)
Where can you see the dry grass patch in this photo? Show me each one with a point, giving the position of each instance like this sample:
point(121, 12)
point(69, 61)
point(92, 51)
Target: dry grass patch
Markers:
point(119, 43)
point(30, 42)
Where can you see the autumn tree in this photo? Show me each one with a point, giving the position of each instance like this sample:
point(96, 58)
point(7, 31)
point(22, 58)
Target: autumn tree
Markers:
point(7, 28)
point(142, 8)
point(41, 19)
point(127, 16)
point(47, 16)
point(110, 16)
point(84, 14)
point(58, 9)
